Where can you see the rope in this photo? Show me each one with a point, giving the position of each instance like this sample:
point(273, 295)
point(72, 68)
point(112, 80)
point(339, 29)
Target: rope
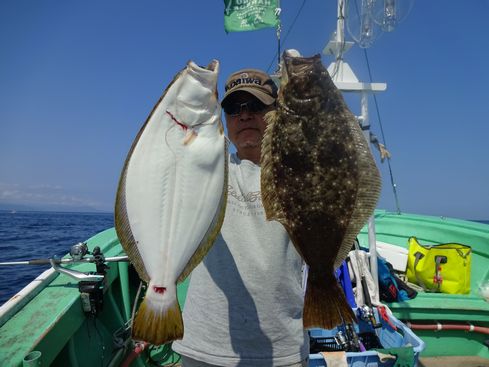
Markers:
point(277, 55)
point(339, 56)
point(393, 184)
point(278, 11)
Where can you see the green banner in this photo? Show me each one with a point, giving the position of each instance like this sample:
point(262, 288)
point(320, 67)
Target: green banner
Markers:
point(249, 15)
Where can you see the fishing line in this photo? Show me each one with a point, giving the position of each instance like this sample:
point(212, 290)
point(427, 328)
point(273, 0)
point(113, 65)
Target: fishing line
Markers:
point(277, 54)
point(341, 51)
point(136, 302)
point(393, 184)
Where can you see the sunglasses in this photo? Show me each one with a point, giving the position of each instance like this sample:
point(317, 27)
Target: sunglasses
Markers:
point(253, 106)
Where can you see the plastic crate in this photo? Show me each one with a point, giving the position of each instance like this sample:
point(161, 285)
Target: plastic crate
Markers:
point(388, 337)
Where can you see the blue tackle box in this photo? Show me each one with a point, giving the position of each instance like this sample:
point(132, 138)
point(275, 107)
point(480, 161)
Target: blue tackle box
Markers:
point(386, 335)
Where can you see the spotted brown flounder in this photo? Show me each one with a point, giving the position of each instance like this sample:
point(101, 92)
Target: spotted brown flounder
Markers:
point(172, 194)
point(318, 179)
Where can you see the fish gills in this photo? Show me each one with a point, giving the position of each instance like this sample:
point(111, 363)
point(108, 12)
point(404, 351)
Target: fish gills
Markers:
point(171, 197)
point(318, 179)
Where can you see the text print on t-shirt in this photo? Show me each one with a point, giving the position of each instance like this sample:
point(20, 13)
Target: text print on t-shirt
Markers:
point(248, 204)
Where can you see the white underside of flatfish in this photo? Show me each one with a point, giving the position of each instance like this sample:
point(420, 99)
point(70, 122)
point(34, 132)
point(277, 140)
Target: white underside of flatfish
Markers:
point(172, 195)
point(171, 202)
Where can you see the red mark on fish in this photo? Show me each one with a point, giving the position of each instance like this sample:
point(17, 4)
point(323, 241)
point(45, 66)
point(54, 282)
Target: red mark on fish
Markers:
point(183, 126)
point(190, 135)
point(159, 290)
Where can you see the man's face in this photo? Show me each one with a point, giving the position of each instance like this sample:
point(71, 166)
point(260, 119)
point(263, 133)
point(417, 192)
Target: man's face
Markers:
point(246, 128)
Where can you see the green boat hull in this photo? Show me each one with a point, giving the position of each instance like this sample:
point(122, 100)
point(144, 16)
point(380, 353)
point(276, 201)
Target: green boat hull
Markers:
point(50, 318)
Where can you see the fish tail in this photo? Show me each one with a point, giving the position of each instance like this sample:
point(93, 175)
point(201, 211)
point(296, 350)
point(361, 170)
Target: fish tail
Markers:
point(159, 318)
point(325, 304)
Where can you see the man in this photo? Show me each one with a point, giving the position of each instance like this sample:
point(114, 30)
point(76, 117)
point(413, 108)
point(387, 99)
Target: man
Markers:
point(244, 302)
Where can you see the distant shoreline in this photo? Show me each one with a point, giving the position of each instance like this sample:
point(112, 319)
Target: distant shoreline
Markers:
point(14, 211)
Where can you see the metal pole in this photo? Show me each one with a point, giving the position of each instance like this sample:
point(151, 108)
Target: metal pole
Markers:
point(372, 241)
point(279, 30)
point(340, 24)
point(63, 261)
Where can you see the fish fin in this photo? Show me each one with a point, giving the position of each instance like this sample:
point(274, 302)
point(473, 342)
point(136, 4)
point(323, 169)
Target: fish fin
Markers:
point(123, 227)
point(369, 187)
point(158, 321)
point(221, 128)
point(270, 200)
point(189, 137)
point(325, 304)
point(214, 228)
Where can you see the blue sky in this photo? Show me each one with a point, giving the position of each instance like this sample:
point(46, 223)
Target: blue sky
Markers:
point(78, 79)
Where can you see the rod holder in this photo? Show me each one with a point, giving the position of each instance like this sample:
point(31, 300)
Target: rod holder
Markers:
point(78, 275)
point(33, 359)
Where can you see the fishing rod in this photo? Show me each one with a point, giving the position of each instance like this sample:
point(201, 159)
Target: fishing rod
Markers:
point(63, 261)
point(77, 254)
point(91, 259)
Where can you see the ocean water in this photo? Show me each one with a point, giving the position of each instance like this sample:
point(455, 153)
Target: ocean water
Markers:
point(36, 235)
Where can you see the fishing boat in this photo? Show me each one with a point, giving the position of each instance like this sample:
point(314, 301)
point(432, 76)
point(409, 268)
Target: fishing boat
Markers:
point(79, 312)
point(67, 316)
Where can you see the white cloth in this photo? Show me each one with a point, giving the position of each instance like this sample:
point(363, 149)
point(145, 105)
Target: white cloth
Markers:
point(335, 359)
point(244, 302)
point(358, 266)
point(189, 362)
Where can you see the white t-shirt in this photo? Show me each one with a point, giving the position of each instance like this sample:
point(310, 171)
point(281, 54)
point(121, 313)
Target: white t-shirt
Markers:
point(244, 302)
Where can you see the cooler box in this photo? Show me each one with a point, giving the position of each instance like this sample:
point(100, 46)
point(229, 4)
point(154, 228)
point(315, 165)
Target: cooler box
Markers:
point(387, 336)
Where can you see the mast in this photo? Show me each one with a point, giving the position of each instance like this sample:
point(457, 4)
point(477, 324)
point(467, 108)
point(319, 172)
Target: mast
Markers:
point(346, 80)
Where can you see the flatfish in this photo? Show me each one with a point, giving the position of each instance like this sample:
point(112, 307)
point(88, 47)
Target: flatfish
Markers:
point(171, 196)
point(318, 179)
